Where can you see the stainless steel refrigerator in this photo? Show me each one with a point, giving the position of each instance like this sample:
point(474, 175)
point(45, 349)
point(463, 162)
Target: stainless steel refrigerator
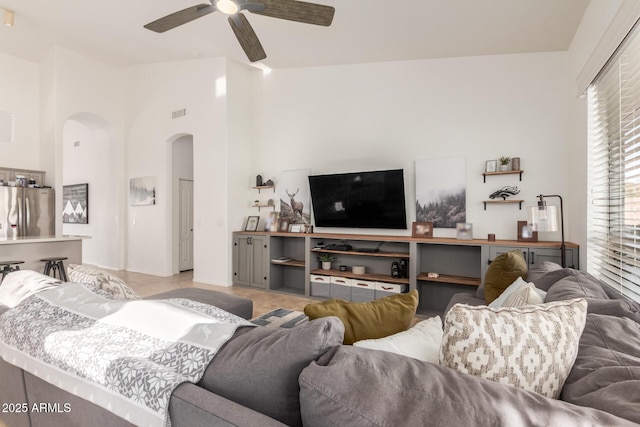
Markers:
point(26, 211)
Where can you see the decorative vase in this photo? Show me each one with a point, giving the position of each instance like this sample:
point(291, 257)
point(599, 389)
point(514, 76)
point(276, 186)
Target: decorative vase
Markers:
point(505, 168)
point(326, 265)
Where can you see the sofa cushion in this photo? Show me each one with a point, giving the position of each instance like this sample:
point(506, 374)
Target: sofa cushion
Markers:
point(421, 342)
point(239, 306)
point(369, 320)
point(259, 367)
point(541, 269)
point(545, 281)
point(502, 272)
point(107, 284)
point(352, 386)
point(606, 373)
point(530, 347)
point(580, 284)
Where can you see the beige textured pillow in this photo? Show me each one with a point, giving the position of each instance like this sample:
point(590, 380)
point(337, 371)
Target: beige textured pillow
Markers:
point(101, 282)
point(524, 296)
point(532, 347)
point(502, 272)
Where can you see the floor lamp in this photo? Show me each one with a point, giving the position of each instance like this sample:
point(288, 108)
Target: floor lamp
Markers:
point(545, 218)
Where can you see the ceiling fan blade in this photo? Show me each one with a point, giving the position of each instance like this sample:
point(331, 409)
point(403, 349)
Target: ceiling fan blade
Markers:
point(299, 11)
point(176, 19)
point(247, 37)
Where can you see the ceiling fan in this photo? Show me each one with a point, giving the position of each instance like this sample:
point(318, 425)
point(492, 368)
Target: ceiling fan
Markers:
point(292, 10)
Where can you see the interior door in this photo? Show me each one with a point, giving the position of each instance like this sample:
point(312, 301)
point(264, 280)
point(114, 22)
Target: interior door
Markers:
point(186, 225)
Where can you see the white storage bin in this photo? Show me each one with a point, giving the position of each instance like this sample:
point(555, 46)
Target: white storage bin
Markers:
point(384, 289)
point(320, 286)
point(340, 288)
point(362, 290)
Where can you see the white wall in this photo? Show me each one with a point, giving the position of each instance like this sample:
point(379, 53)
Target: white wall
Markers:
point(73, 84)
point(89, 156)
point(387, 115)
point(20, 89)
point(154, 91)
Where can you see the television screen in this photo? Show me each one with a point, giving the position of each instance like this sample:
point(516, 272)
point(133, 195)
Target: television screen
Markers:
point(359, 200)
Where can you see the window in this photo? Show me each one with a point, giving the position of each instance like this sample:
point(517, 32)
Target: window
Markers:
point(613, 245)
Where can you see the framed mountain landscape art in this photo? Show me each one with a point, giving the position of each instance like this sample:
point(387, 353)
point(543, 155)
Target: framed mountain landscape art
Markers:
point(75, 200)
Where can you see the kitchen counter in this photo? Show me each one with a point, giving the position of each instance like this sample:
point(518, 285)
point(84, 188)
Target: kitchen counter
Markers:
point(32, 249)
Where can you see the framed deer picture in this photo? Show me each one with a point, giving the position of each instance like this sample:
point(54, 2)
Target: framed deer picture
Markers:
point(295, 197)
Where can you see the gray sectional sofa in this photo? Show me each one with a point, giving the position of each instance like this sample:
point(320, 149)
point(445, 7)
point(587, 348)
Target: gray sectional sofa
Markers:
point(304, 376)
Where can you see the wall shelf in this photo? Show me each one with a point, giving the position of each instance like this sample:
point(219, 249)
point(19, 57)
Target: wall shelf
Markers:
point(502, 202)
point(368, 254)
point(486, 174)
point(265, 187)
point(445, 278)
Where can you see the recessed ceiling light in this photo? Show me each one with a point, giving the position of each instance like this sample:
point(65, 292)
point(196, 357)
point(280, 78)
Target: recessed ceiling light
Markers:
point(9, 18)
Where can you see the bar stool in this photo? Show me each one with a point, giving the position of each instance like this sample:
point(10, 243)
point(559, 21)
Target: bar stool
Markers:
point(8, 267)
point(55, 264)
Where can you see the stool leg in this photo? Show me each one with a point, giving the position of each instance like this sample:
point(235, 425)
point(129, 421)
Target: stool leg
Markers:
point(47, 268)
point(63, 272)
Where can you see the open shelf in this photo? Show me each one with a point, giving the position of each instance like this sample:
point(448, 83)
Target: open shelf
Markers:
point(486, 174)
point(350, 275)
point(374, 254)
point(292, 263)
point(502, 202)
point(446, 278)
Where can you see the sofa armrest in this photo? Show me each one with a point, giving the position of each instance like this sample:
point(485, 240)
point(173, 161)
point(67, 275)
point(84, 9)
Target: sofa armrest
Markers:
point(193, 406)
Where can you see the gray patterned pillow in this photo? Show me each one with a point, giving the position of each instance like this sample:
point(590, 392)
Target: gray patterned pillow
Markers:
point(532, 347)
point(101, 282)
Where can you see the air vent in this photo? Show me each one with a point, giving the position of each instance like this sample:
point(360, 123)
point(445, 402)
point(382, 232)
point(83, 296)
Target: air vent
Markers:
point(179, 113)
point(76, 144)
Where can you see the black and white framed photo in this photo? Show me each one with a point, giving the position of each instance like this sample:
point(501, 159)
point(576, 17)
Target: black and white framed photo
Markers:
point(252, 223)
point(75, 199)
point(296, 228)
point(142, 191)
point(491, 166)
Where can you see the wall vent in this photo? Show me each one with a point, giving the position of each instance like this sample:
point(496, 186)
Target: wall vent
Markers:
point(76, 144)
point(179, 113)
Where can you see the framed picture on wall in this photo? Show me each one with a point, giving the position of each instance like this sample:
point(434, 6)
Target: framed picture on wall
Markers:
point(525, 233)
point(75, 202)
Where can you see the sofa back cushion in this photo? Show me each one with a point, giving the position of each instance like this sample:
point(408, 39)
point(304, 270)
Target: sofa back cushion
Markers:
point(259, 367)
point(606, 373)
point(352, 386)
point(502, 272)
point(369, 320)
point(103, 282)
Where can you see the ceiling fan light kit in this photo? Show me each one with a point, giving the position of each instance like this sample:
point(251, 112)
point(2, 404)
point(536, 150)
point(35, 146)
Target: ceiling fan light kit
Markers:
point(292, 10)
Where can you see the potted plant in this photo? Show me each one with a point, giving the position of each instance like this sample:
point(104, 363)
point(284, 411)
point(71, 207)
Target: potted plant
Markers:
point(326, 259)
point(504, 163)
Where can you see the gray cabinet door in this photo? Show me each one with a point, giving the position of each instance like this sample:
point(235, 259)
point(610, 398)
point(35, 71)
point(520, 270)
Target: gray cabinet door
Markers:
point(250, 261)
point(495, 251)
point(539, 255)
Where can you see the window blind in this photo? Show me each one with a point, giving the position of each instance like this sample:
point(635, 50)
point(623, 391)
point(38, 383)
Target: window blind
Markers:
point(613, 240)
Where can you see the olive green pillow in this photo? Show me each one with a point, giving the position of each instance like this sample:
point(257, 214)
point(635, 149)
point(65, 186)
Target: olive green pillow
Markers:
point(369, 320)
point(502, 272)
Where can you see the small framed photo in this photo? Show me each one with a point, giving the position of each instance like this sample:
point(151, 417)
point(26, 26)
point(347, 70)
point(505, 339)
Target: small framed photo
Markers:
point(422, 230)
point(283, 226)
point(464, 231)
point(525, 233)
point(491, 166)
point(296, 228)
point(252, 223)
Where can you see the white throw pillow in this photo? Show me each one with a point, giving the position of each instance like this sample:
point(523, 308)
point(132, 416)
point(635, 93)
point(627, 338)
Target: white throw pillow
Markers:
point(421, 342)
point(21, 284)
point(523, 296)
point(518, 284)
point(532, 347)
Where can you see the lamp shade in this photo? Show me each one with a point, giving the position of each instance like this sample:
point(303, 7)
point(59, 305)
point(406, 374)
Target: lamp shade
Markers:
point(543, 218)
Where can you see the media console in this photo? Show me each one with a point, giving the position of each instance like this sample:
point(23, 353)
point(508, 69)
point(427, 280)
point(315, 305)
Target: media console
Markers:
point(460, 264)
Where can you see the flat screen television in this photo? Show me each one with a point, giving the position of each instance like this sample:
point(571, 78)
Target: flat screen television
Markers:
point(359, 200)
